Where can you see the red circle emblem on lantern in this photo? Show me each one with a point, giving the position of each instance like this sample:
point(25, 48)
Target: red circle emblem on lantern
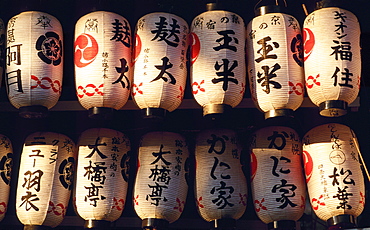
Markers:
point(253, 165)
point(308, 165)
point(86, 48)
point(138, 45)
point(195, 47)
point(309, 42)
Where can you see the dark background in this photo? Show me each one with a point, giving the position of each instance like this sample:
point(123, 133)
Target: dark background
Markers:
point(187, 121)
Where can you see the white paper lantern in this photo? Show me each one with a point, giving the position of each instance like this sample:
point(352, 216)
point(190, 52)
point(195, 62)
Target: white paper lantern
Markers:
point(160, 61)
point(218, 73)
point(6, 165)
point(220, 185)
point(332, 59)
point(101, 183)
point(45, 179)
point(102, 58)
point(333, 172)
point(160, 187)
point(2, 49)
point(34, 62)
point(277, 179)
point(275, 63)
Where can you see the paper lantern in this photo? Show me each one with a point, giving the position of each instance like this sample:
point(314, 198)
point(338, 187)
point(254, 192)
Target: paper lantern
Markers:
point(220, 185)
point(102, 59)
point(218, 77)
point(161, 188)
point(102, 176)
point(160, 62)
point(332, 59)
point(34, 62)
point(333, 173)
point(6, 165)
point(2, 50)
point(277, 179)
point(275, 62)
point(45, 179)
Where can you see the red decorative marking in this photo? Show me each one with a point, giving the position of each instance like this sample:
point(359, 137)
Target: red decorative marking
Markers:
point(116, 204)
point(362, 201)
point(243, 89)
point(137, 48)
point(3, 210)
point(48, 81)
point(198, 202)
point(195, 47)
point(316, 202)
point(314, 81)
point(58, 210)
point(296, 88)
point(259, 206)
point(308, 42)
point(87, 90)
point(136, 89)
point(181, 95)
point(135, 199)
point(303, 200)
point(243, 199)
point(197, 87)
point(308, 165)
point(253, 163)
point(86, 49)
point(180, 204)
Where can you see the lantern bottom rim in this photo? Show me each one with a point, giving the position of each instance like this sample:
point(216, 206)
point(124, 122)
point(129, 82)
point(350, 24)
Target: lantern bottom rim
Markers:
point(282, 225)
point(333, 108)
point(215, 109)
point(279, 113)
point(95, 224)
point(225, 223)
point(153, 223)
point(345, 221)
point(35, 227)
point(102, 113)
point(33, 111)
point(154, 113)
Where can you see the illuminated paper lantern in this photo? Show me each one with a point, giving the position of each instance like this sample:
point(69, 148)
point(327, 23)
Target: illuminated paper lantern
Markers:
point(333, 173)
point(332, 59)
point(6, 165)
point(160, 62)
point(161, 188)
point(275, 63)
point(45, 179)
point(2, 50)
point(218, 73)
point(220, 185)
point(102, 60)
point(277, 179)
point(102, 175)
point(34, 62)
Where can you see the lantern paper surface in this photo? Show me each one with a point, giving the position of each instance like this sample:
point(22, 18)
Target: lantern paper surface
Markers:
point(160, 61)
point(34, 63)
point(6, 165)
point(277, 179)
point(332, 55)
point(275, 62)
point(102, 59)
point(102, 174)
point(218, 58)
point(2, 49)
point(220, 185)
point(161, 188)
point(334, 178)
point(45, 179)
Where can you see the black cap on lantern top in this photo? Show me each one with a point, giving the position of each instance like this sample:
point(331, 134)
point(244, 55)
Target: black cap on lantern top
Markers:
point(154, 224)
point(282, 225)
point(342, 222)
point(267, 7)
point(96, 224)
point(224, 224)
point(33, 112)
point(328, 3)
point(214, 6)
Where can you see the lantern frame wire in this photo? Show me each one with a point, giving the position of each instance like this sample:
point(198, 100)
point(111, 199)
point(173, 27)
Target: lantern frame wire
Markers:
point(361, 158)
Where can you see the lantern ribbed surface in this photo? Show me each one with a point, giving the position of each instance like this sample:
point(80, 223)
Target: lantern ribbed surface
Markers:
point(160, 61)
point(6, 166)
point(275, 62)
point(220, 186)
point(2, 48)
point(160, 187)
point(332, 55)
point(333, 171)
point(218, 58)
point(45, 179)
point(102, 170)
point(34, 67)
point(102, 60)
point(277, 179)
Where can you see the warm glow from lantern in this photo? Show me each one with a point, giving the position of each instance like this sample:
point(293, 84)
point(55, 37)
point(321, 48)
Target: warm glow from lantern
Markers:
point(6, 166)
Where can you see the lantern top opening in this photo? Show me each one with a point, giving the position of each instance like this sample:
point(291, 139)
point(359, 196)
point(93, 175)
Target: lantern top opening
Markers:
point(269, 9)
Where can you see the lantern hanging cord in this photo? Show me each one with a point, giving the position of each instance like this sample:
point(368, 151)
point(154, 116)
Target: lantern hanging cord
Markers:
point(361, 158)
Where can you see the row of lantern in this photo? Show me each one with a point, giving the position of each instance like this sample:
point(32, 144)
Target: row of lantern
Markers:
point(330, 170)
point(108, 68)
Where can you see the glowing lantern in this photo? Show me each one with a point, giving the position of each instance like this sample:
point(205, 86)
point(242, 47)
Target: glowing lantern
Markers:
point(160, 62)
point(102, 58)
point(2, 49)
point(6, 164)
point(333, 174)
point(277, 180)
point(275, 62)
point(332, 59)
point(161, 188)
point(220, 185)
point(34, 63)
point(102, 175)
point(45, 179)
point(218, 60)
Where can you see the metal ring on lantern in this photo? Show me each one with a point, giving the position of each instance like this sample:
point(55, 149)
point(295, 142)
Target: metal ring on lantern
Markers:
point(96, 224)
point(33, 111)
point(333, 108)
point(282, 224)
point(344, 221)
point(225, 224)
point(267, 9)
point(210, 109)
point(104, 113)
point(154, 224)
